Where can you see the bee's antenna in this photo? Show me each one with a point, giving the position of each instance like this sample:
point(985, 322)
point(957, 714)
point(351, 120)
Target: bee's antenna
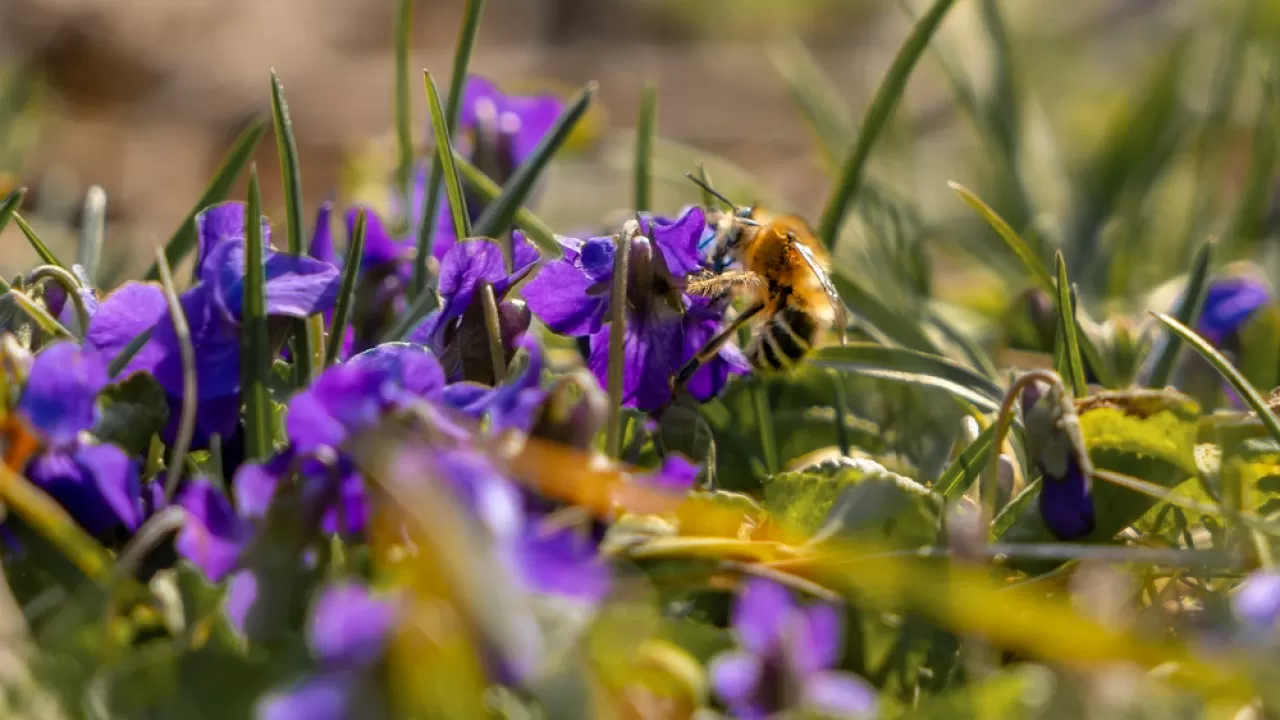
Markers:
point(698, 181)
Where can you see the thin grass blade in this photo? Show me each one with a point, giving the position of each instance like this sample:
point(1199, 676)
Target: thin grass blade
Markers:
point(877, 116)
point(539, 232)
point(1228, 371)
point(893, 324)
point(1187, 313)
point(421, 307)
point(121, 360)
point(1067, 331)
point(403, 114)
point(497, 217)
point(92, 231)
point(817, 97)
point(346, 293)
point(184, 238)
point(968, 465)
point(255, 360)
point(10, 205)
point(291, 180)
point(444, 155)
point(461, 60)
point(37, 244)
point(646, 126)
point(912, 367)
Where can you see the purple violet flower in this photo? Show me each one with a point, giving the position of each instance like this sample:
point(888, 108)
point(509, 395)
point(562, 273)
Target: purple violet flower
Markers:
point(665, 327)
point(296, 287)
point(213, 535)
point(96, 483)
point(1228, 304)
point(1059, 453)
point(786, 658)
point(348, 633)
point(456, 332)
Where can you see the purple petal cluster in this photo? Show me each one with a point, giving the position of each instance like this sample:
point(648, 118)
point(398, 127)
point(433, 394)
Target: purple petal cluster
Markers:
point(296, 287)
point(665, 327)
point(786, 658)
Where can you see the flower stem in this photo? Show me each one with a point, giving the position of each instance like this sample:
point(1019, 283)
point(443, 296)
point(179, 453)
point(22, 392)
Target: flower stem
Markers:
point(617, 339)
point(70, 284)
point(493, 326)
point(190, 390)
point(991, 478)
point(50, 520)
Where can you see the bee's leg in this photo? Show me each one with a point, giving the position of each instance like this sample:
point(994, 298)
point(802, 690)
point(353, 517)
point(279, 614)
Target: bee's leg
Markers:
point(712, 346)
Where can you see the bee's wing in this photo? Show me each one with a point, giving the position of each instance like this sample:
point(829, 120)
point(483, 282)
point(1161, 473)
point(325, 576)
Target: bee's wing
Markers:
point(842, 319)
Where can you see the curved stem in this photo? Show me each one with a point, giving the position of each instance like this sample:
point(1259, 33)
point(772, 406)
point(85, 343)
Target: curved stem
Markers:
point(190, 389)
point(493, 327)
point(72, 287)
point(991, 478)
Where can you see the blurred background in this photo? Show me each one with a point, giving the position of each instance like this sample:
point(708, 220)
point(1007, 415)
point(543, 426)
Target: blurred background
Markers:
point(143, 97)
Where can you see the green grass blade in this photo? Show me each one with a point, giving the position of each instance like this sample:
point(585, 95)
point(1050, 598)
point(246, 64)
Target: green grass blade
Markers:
point(461, 61)
point(184, 238)
point(37, 244)
point(615, 373)
point(347, 292)
point(9, 206)
point(291, 180)
point(403, 115)
point(1067, 331)
point(912, 367)
point(444, 153)
point(1228, 371)
point(967, 467)
point(1010, 236)
point(497, 217)
point(1039, 273)
point(539, 232)
point(646, 126)
point(877, 116)
point(1255, 198)
point(255, 360)
point(1187, 313)
point(817, 97)
point(93, 231)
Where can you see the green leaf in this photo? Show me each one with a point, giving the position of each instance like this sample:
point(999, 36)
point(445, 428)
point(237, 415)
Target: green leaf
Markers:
point(646, 126)
point(1016, 692)
point(856, 499)
point(1147, 434)
point(1187, 313)
point(1259, 355)
point(498, 216)
point(909, 366)
point(291, 178)
point(817, 97)
point(444, 155)
point(347, 291)
point(878, 113)
point(39, 315)
point(184, 238)
point(255, 358)
point(539, 232)
point(37, 244)
point(132, 411)
point(461, 59)
point(1228, 371)
point(1067, 330)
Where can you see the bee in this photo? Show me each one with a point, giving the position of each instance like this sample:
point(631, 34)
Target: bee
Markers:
point(784, 276)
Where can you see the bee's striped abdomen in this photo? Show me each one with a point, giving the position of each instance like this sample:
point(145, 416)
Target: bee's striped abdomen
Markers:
point(783, 340)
